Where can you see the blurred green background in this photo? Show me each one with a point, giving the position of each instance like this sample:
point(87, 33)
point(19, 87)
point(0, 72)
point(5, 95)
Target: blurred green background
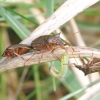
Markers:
point(17, 20)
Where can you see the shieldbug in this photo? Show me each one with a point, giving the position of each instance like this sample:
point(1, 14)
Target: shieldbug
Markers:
point(47, 42)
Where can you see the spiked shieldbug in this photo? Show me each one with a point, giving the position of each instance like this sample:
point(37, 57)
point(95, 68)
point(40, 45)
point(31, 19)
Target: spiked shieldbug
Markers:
point(16, 50)
point(45, 43)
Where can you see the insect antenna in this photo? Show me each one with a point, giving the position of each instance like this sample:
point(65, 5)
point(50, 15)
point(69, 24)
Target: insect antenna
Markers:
point(69, 44)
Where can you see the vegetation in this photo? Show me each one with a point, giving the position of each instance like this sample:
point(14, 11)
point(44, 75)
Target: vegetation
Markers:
point(17, 20)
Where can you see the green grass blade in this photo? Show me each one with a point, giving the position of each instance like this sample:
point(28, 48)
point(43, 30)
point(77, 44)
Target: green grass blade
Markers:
point(18, 17)
point(31, 95)
point(37, 82)
point(32, 21)
point(3, 85)
point(2, 1)
point(88, 25)
point(2, 75)
point(92, 12)
point(50, 7)
point(26, 5)
point(97, 97)
point(21, 30)
point(78, 91)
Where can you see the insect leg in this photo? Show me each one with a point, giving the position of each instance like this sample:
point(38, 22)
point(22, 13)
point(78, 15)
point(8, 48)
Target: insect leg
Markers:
point(82, 60)
point(72, 51)
point(54, 54)
point(18, 55)
point(91, 61)
point(38, 52)
point(8, 58)
point(43, 51)
point(29, 59)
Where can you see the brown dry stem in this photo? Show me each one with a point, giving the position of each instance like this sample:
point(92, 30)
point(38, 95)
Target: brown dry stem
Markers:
point(48, 56)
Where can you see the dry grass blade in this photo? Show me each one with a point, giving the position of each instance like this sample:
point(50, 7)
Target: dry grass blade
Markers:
point(82, 51)
point(68, 10)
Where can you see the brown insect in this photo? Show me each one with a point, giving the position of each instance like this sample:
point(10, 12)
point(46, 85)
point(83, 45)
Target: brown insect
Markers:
point(16, 50)
point(47, 42)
